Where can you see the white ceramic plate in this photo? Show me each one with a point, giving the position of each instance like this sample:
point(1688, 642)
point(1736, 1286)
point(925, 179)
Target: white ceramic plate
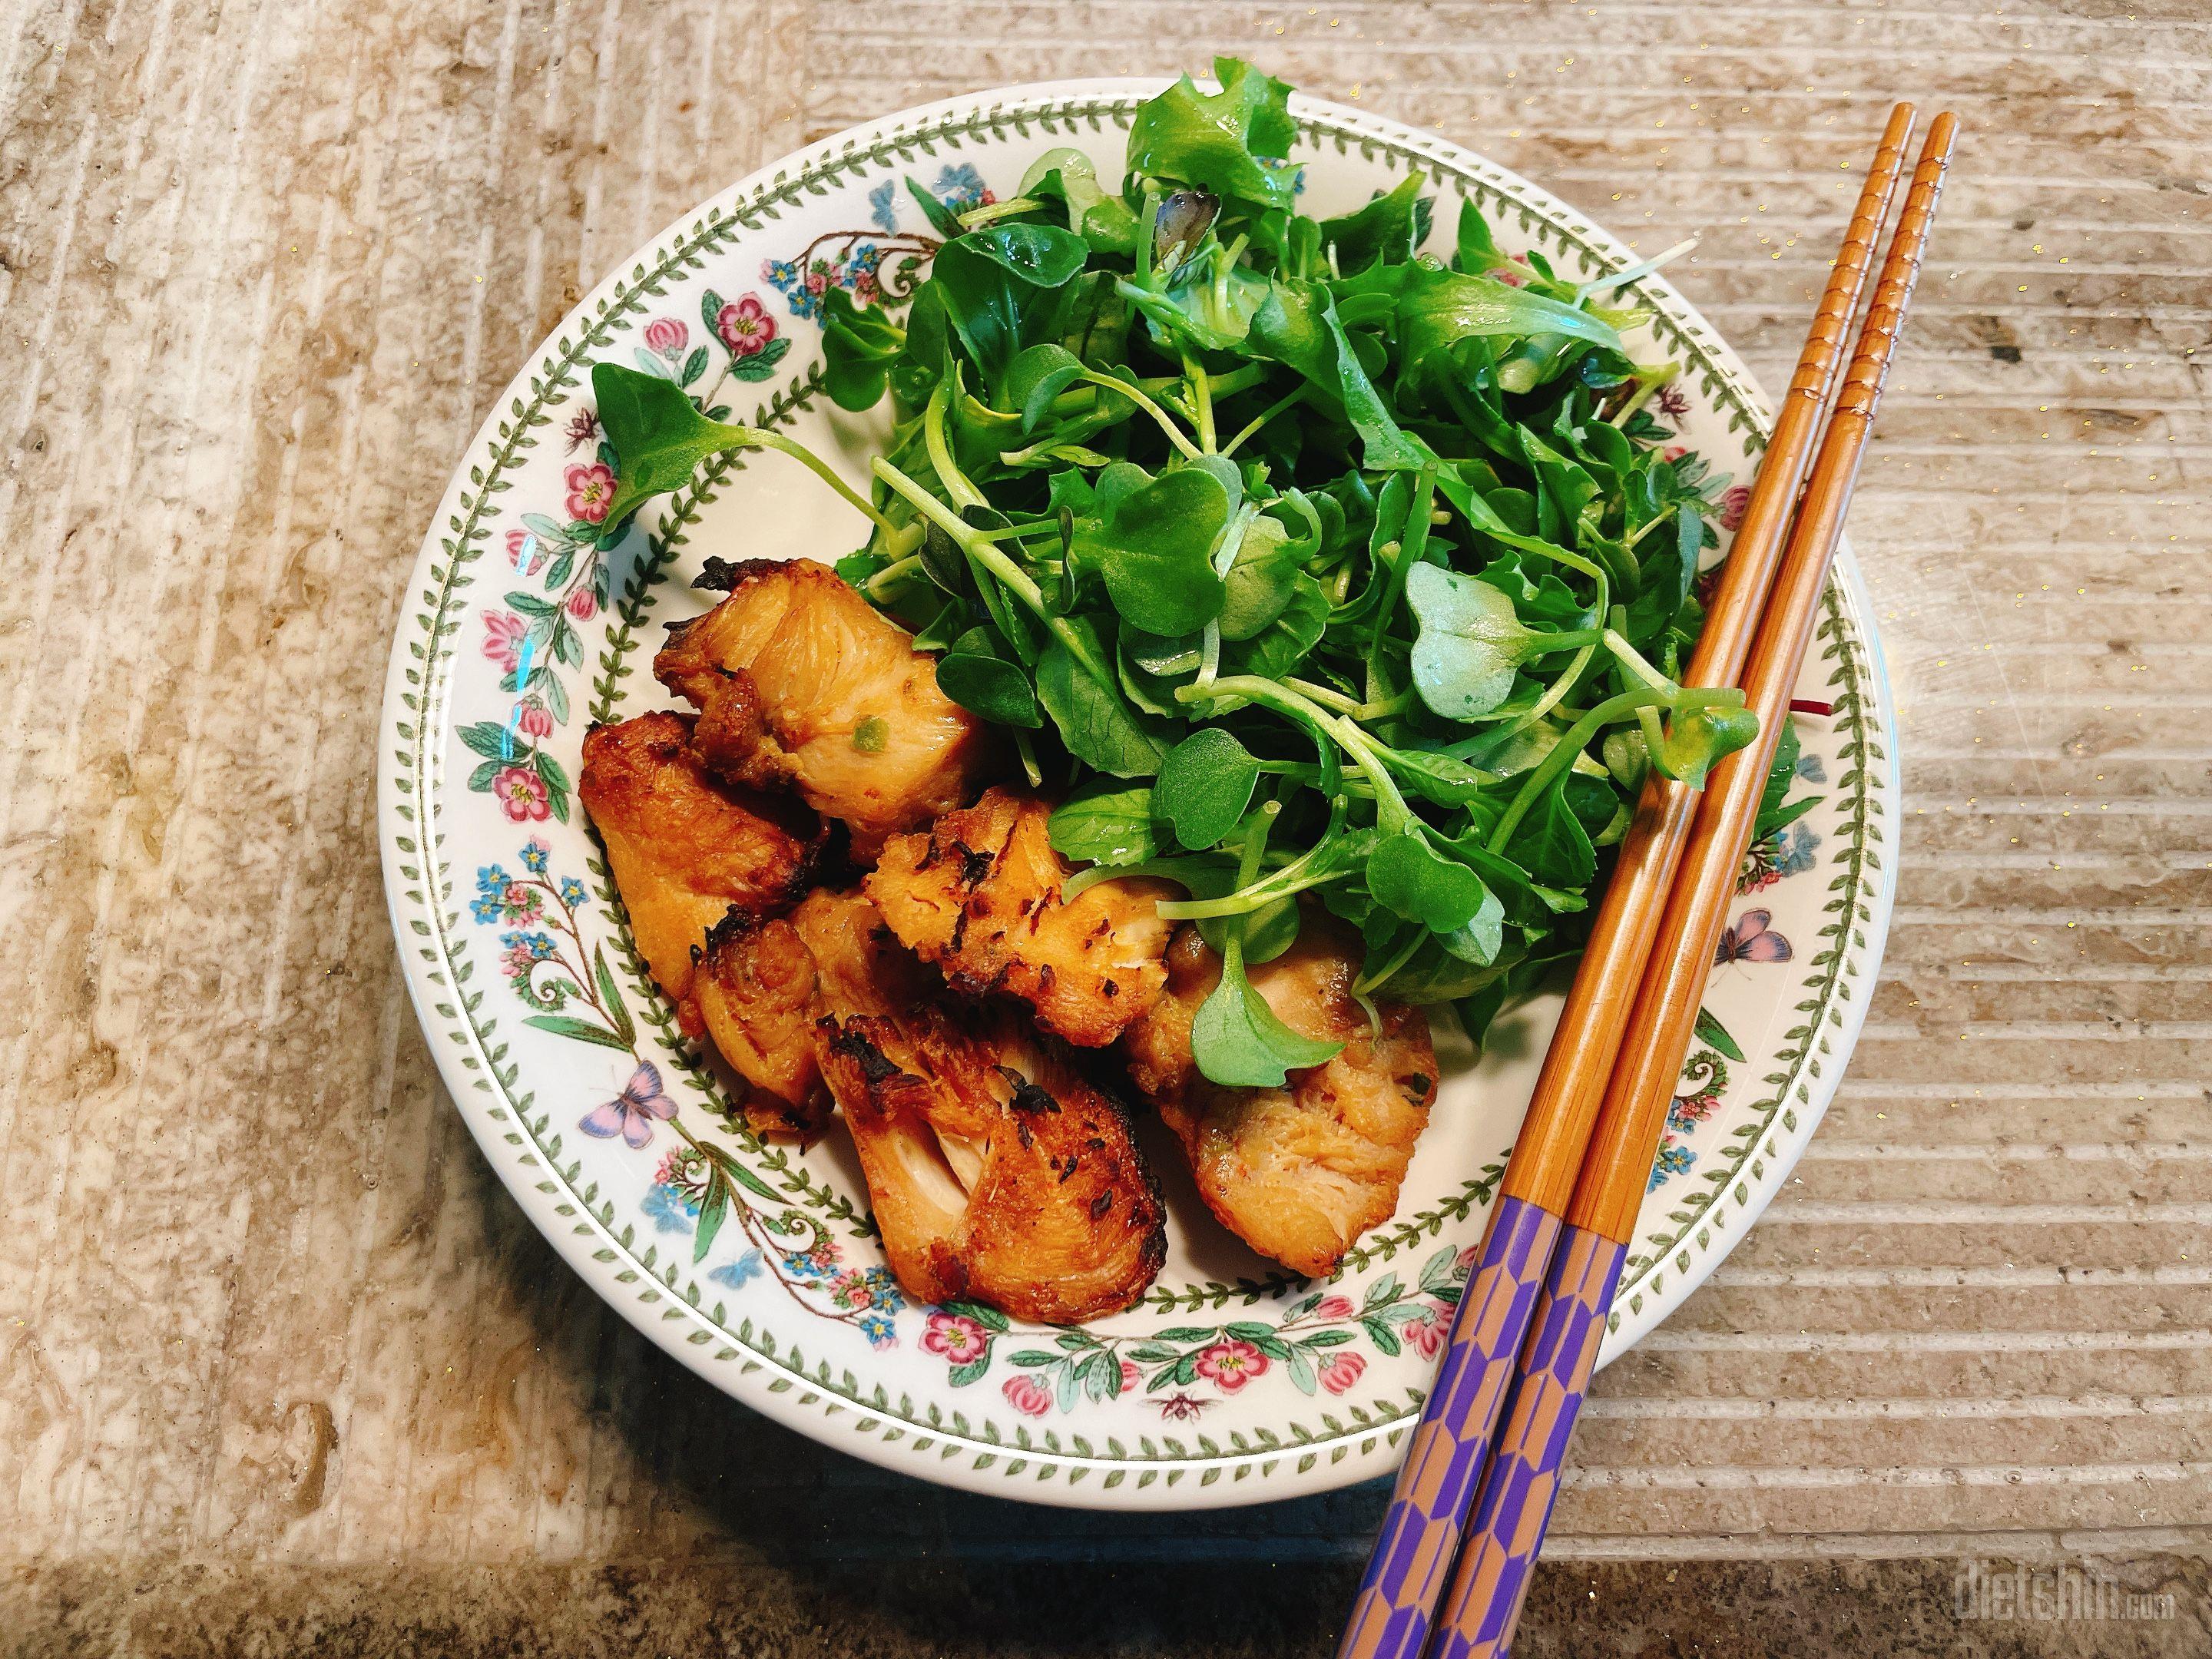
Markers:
point(540, 1015)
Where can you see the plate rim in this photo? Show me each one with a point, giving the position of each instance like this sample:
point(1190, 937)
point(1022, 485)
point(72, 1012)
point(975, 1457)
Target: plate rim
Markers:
point(794, 1397)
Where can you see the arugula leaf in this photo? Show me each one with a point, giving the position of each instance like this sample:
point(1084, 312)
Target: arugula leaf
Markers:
point(990, 279)
point(859, 347)
point(1437, 306)
point(1297, 325)
point(1094, 721)
point(1553, 846)
point(1104, 824)
point(1390, 229)
point(1224, 141)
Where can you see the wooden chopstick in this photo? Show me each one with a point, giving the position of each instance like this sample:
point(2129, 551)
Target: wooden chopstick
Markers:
point(1436, 1487)
point(1515, 1503)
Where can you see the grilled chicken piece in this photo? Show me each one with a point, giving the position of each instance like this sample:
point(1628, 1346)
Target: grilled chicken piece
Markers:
point(996, 1171)
point(800, 684)
point(762, 984)
point(686, 847)
point(979, 895)
point(1300, 1172)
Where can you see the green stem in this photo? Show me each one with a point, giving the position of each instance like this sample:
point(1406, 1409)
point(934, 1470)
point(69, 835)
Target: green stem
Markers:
point(893, 574)
point(1201, 399)
point(1391, 810)
point(991, 211)
point(1634, 661)
point(1562, 754)
point(964, 494)
point(1363, 985)
point(1415, 544)
point(1297, 395)
point(822, 469)
point(1136, 395)
point(1017, 580)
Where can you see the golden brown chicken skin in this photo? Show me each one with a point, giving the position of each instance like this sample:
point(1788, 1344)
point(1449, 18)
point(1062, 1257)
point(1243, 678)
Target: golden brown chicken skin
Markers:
point(996, 1171)
point(763, 984)
point(979, 895)
point(684, 845)
point(801, 683)
point(1299, 1172)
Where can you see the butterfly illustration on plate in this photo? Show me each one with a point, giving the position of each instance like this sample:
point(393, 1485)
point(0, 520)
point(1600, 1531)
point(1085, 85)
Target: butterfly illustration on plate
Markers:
point(1751, 939)
point(631, 1113)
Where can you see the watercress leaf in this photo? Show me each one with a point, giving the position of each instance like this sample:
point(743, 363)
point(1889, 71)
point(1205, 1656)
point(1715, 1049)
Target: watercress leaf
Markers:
point(1104, 824)
point(1386, 231)
point(976, 678)
point(658, 435)
point(1204, 786)
point(859, 346)
point(1697, 740)
point(1224, 141)
point(1470, 643)
point(1095, 720)
point(1483, 936)
point(1297, 327)
point(1284, 642)
point(1260, 580)
point(1150, 541)
point(1035, 378)
point(1238, 1042)
point(1625, 758)
point(1553, 846)
point(1406, 875)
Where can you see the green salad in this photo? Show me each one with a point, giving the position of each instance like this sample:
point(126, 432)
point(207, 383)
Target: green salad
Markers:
point(1298, 561)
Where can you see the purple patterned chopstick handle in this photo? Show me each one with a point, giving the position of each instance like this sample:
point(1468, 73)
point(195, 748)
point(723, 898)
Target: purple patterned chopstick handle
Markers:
point(1429, 1509)
point(1522, 1480)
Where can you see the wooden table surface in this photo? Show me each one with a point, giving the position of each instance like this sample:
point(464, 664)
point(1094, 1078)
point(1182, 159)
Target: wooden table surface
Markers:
point(280, 1362)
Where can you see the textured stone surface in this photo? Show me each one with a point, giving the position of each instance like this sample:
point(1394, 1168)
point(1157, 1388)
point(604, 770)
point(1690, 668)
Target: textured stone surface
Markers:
point(273, 1346)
